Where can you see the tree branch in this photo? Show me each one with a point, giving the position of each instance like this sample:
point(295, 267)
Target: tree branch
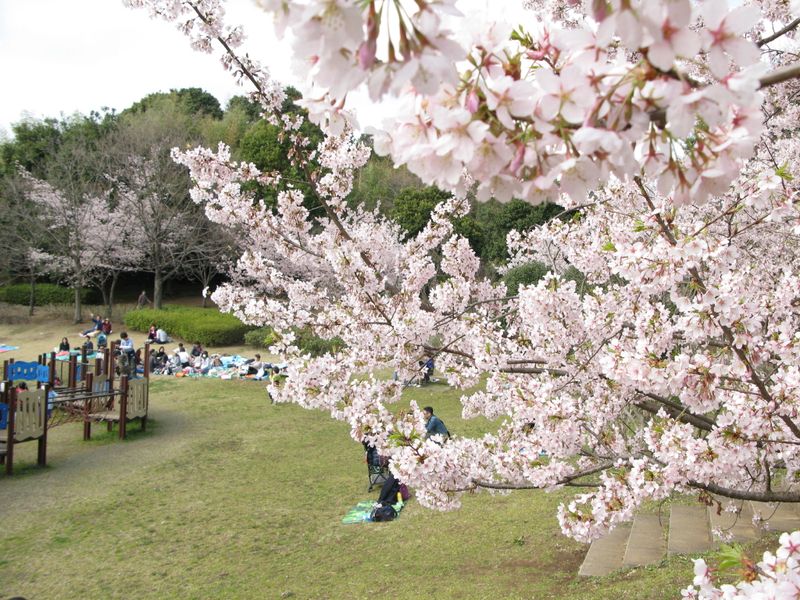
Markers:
point(780, 75)
point(779, 33)
point(767, 496)
point(564, 481)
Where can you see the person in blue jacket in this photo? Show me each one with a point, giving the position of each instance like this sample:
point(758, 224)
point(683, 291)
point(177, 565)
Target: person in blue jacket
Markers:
point(434, 425)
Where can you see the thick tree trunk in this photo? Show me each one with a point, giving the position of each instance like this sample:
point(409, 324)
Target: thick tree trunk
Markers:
point(111, 294)
point(104, 292)
point(77, 316)
point(32, 298)
point(158, 285)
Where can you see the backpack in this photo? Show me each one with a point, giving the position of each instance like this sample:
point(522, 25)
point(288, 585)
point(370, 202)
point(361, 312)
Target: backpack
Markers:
point(383, 513)
point(404, 493)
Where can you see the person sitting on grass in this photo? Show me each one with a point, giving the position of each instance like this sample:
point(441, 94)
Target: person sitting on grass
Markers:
point(197, 349)
point(276, 378)
point(255, 365)
point(64, 345)
point(106, 326)
point(97, 326)
point(151, 333)
point(174, 364)
point(89, 346)
point(102, 341)
point(184, 357)
point(202, 364)
point(161, 358)
point(434, 425)
point(161, 336)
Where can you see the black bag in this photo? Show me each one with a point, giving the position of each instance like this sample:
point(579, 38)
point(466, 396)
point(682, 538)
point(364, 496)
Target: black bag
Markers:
point(383, 513)
point(389, 490)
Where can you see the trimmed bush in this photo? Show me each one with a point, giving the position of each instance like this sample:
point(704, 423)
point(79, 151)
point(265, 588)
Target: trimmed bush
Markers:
point(317, 346)
point(527, 274)
point(264, 337)
point(205, 325)
point(45, 293)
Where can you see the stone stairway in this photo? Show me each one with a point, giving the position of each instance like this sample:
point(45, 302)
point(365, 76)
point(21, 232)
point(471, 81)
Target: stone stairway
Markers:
point(644, 542)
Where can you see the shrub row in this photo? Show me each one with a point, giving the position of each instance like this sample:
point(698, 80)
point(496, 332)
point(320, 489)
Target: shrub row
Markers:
point(531, 273)
point(264, 337)
point(205, 325)
point(45, 293)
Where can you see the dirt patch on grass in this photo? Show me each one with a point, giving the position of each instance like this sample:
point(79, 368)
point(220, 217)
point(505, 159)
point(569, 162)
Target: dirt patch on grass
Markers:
point(568, 561)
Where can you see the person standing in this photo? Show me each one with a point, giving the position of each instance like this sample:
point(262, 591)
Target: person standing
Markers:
point(143, 300)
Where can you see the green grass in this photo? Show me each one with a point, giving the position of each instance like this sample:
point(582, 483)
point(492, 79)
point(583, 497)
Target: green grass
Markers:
point(227, 496)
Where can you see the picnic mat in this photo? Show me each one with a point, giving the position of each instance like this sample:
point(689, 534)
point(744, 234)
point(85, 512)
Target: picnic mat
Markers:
point(4, 348)
point(361, 511)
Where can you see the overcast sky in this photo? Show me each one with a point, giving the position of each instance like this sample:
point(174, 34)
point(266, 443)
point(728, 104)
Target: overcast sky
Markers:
point(62, 56)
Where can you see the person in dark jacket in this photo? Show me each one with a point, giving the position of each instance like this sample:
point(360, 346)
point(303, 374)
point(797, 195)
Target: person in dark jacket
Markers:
point(434, 425)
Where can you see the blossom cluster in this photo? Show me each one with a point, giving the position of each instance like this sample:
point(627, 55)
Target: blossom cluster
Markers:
point(777, 576)
point(670, 365)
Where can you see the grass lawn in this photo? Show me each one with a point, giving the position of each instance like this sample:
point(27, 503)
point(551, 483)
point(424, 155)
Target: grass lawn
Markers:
point(227, 496)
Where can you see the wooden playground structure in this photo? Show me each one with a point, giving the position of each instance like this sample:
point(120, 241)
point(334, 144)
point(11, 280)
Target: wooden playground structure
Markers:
point(105, 390)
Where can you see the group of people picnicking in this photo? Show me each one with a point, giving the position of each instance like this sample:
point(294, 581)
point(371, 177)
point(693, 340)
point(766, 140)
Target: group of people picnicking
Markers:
point(196, 361)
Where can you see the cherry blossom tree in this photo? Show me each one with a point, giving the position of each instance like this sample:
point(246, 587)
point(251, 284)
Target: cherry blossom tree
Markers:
point(665, 130)
point(163, 223)
point(75, 226)
point(122, 248)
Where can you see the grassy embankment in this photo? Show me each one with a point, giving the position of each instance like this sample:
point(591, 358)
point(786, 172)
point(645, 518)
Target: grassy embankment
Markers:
point(226, 496)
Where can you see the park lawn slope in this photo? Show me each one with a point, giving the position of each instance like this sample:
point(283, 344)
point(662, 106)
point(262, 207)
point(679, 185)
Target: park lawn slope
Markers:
point(227, 496)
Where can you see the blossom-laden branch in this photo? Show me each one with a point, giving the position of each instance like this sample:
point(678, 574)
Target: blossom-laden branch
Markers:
point(659, 354)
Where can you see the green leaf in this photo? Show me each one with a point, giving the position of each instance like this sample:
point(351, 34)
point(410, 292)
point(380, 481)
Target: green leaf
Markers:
point(609, 247)
point(783, 172)
point(731, 557)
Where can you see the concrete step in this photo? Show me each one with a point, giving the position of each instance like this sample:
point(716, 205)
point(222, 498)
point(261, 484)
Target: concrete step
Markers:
point(605, 554)
point(738, 526)
point(689, 531)
point(645, 543)
point(779, 517)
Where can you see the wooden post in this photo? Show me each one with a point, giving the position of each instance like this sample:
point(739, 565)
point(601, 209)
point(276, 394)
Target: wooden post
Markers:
point(12, 409)
point(112, 360)
point(5, 369)
point(52, 375)
point(71, 383)
point(84, 363)
point(87, 407)
point(147, 360)
point(105, 361)
point(111, 372)
point(41, 456)
point(123, 407)
point(4, 395)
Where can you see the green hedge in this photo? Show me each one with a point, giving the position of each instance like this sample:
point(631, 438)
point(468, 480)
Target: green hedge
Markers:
point(45, 293)
point(527, 274)
point(205, 325)
point(264, 337)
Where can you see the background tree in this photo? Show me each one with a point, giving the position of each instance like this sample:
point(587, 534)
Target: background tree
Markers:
point(169, 223)
point(213, 254)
